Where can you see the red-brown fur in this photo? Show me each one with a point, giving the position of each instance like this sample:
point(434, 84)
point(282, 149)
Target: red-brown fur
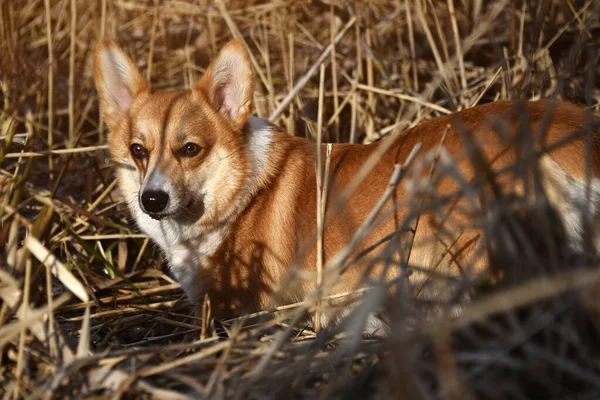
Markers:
point(266, 236)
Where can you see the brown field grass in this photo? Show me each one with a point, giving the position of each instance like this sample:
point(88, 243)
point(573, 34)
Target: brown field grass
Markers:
point(87, 309)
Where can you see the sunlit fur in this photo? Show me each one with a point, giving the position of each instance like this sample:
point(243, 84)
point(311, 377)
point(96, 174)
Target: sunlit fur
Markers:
point(243, 210)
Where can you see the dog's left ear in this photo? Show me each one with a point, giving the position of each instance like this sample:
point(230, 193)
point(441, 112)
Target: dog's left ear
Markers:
point(228, 84)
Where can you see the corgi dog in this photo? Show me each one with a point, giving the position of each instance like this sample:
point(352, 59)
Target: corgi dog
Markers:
point(231, 199)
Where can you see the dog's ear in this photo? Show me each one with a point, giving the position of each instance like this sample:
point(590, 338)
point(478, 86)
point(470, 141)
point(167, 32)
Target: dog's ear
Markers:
point(118, 81)
point(228, 84)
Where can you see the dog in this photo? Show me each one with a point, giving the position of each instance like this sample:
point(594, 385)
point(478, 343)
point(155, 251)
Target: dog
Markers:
point(231, 199)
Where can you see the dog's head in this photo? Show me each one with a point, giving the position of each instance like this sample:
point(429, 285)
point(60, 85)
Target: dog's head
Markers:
point(180, 154)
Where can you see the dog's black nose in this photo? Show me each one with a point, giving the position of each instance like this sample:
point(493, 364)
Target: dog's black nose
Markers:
point(154, 201)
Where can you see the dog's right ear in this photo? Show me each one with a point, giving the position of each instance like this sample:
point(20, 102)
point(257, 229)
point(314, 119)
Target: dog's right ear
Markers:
point(118, 81)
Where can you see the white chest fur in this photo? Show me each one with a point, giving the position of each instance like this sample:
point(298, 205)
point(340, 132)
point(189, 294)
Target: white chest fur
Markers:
point(186, 248)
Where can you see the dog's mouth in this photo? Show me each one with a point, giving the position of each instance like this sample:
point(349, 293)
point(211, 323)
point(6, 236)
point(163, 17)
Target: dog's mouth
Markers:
point(190, 210)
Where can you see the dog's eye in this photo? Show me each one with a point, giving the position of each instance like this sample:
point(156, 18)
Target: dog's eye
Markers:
point(190, 150)
point(138, 151)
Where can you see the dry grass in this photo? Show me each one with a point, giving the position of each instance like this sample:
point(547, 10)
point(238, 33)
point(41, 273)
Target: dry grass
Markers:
point(86, 310)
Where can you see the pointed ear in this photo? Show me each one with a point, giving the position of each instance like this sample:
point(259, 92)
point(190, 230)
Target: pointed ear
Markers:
point(228, 84)
point(118, 81)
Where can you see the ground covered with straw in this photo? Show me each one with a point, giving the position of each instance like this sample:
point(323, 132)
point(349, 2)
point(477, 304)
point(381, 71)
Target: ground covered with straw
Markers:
point(87, 308)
